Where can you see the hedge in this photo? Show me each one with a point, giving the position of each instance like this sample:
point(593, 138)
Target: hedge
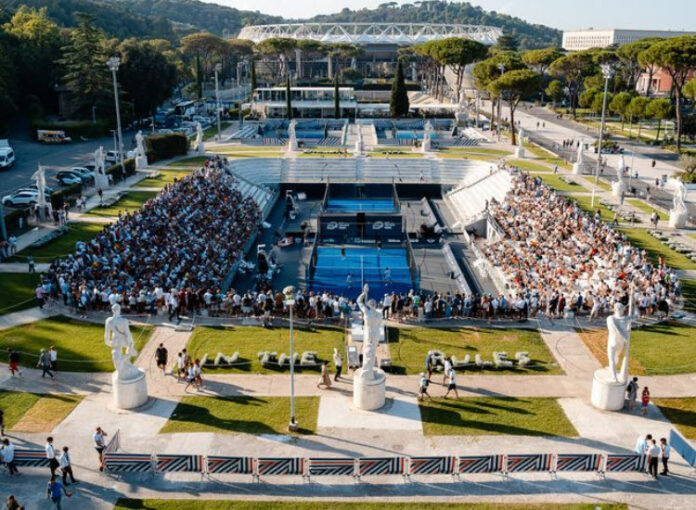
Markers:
point(60, 197)
point(165, 146)
point(115, 170)
point(75, 129)
point(12, 219)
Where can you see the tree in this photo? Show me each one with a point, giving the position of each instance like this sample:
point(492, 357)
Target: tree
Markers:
point(487, 71)
point(636, 110)
point(677, 56)
point(597, 104)
point(688, 163)
point(507, 42)
point(202, 47)
point(659, 109)
point(252, 75)
point(587, 97)
point(690, 89)
point(628, 55)
point(555, 91)
point(288, 99)
point(513, 86)
point(573, 68)
point(337, 99)
point(8, 88)
point(282, 49)
point(146, 76)
point(84, 60)
point(398, 102)
point(619, 105)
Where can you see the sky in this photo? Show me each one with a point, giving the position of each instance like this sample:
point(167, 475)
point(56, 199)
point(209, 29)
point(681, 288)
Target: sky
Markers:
point(561, 14)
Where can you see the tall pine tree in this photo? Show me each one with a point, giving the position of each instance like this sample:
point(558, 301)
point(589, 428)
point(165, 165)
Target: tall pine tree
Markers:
point(398, 103)
point(288, 99)
point(252, 75)
point(337, 99)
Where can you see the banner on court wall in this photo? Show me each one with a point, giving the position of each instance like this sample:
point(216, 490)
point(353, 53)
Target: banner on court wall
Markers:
point(578, 462)
point(528, 462)
point(230, 465)
point(331, 467)
point(479, 464)
point(431, 465)
point(682, 447)
point(369, 466)
point(617, 463)
point(279, 466)
point(174, 463)
point(128, 462)
point(30, 458)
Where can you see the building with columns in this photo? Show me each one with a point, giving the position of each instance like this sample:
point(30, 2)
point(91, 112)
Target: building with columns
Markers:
point(578, 40)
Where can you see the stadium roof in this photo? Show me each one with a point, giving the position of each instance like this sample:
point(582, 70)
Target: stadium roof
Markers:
point(400, 34)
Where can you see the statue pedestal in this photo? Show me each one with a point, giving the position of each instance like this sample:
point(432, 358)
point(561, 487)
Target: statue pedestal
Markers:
point(200, 148)
point(369, 394)
point(101, 181)
point(131, 393)
point(677, 219)
point(607, 394)
point(617, 188)
point(519, 152)
point(578, 168)
point(141, 162)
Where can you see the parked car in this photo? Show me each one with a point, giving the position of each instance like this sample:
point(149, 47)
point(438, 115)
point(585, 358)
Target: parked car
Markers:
point(24, 198)
point(86, 174)
point(112, 157)
point(68, 178)
point(7, 157)
point(34, 187)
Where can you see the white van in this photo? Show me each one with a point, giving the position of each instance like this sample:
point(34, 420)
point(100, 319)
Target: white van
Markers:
point(7, 157)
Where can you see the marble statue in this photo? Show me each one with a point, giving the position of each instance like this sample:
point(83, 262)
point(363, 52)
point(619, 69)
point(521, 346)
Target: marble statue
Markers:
point(679, 213)
point(579, 165)
point(199, 145)
point(140, 157)
point(519, 150)
point(427, 144)
point(128, 381)
point(101, 180)
point(292, 137)
point(43, 206)
point(369, 383)
point(619, 187)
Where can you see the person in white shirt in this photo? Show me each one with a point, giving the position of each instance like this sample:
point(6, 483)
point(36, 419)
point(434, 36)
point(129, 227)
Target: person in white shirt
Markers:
point(53, 353)
point(386, 306)
point(7, 454)
point(338, 363)
point(180, 366)
point(66, 467)
point(653, 456)
point(51, 455)
point(452, 386)
point(642, 444)
point(666, 451)
point(100, 445)
point(446, 371)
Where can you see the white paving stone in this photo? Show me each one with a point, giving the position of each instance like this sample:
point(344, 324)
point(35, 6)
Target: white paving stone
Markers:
point(399, 413)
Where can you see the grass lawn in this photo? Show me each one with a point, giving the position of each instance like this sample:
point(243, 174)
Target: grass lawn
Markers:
point(547, 157)
point(584, 202)
point(29, 412)
point(64, 244)
point(555, 181)
point(601, 183)
point(529, 166)
point(646, 208)
point(17, 288)
point(211, 131)
point(211, 504)
point(681, 412)
point(462, 155)
point(80, 345)
point(689, 294)
point(477, 416)
point(640, 238)
point(131, 201)
point(164, 178)
point(194, 162)
point(237, 415)
point(658, 349)
point(409, 351)
point(250, 340)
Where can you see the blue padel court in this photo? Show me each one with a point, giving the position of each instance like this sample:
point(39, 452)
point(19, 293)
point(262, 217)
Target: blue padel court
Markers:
point(356, 205)
point(365, 265)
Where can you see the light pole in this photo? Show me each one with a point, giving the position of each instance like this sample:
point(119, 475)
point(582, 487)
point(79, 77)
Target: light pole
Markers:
point(289, 293)
point(113, 64)
point(218, 68)
point(607, 72)
point(501, 67)
point(476, 99)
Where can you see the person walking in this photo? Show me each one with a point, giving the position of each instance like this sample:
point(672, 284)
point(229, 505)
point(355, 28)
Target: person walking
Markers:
point(66, 467)
point(55, 492)
point(13, 361)
point(2, 423)
point(452, 386)
point(632, 393)
point(423, 387)
point(666, 451)
point(39, 293)
point(653, 456)
point(180, 367)
point(51, 455)
point(45, 363)
point(12, 503)
point(446, 371)
point(53, 353)
point(324, 379)
point(161, 355)
point(338, 363)
point(429, 365)
point(8, 454)
point(174, 307)
point(645, 401)
point(100, 445)
point(194, 375)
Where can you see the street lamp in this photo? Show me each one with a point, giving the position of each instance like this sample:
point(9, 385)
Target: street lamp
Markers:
point(113, 64)
point(501, 68)
point(289, 293)
point(218, 68)
point(607, 72)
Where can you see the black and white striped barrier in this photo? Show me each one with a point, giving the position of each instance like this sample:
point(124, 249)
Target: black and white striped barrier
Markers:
point(129, 463)
point(31, 458)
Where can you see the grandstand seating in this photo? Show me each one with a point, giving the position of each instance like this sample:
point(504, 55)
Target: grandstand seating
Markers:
point(469, 201)
point(258, 170)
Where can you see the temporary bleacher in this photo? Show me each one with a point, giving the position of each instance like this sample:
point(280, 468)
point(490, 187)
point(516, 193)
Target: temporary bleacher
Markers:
point(460, 172)
point(469, 201)
point(258, 170)
point(262, 194)
point(320, 170)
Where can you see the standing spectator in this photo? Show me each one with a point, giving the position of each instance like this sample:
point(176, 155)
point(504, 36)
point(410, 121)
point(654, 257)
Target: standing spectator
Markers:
point(13, 361)
point(39, 292)
point(2, 423)
point(55, 492)
point(452, 386)
point(653, 456)
point(632, 391)
point(100, 445)
point(445, 372)
point(195, 376)
point(174, 307)
point(30, 263)
point(44, 363)
point(324, 379)
point(66, 467)
point(53, 353)
point(645, 401)
point(13, 244)
point(8, 453)
point(642, 444)
point(666, 451)
point(12, 503)
point(338, 363)
point(51, 455)
point(423, 387)
point(180, 367)
point(161, 357)
point(429, 365)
